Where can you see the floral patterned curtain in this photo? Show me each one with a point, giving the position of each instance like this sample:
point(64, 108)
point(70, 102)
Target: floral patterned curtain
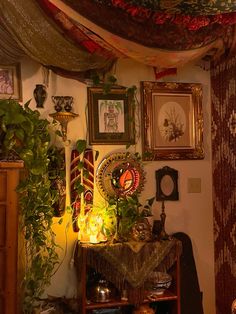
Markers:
point(223, 79)
point(75, 38)
point(169, 25)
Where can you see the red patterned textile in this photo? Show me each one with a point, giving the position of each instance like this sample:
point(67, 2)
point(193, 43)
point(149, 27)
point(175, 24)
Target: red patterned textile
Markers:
point(202, 7)
point(223, 80)
point(165, 31)
point(184, 7)
point(159, 17)
point(79, 34)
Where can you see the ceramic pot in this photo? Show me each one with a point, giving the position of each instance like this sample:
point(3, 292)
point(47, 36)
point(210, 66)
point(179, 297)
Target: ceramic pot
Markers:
point(40, 95)
point(68, 101)
point(58, 103)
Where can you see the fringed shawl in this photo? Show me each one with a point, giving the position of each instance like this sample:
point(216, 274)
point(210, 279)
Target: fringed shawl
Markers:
point(128, 265)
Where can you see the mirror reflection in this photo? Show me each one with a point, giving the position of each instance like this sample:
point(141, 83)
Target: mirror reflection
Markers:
point(120, 174)
point(167, 185)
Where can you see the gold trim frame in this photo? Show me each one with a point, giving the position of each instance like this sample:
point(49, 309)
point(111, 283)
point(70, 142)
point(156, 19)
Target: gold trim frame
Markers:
point(110, 116)
point(173, 120)
point(10, 82)
point(122, 162)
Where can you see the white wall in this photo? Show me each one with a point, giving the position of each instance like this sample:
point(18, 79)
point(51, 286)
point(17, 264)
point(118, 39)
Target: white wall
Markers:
point(193, 212)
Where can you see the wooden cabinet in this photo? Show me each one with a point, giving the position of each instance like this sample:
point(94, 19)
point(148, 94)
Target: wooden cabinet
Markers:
point(166, 256)
point(9, 179)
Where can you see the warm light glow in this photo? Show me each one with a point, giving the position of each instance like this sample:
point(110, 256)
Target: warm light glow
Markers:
point(90, 226)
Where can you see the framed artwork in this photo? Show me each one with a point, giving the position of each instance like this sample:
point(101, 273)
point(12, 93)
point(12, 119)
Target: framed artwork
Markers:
point(173, 120)
point(167, 184)
point(110, 116)
point(10, 82)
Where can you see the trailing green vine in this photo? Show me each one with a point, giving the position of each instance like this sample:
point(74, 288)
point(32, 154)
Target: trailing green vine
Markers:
point(25, 136)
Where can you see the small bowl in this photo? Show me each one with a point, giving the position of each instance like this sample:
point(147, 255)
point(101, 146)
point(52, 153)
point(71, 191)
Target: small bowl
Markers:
point(158, 282)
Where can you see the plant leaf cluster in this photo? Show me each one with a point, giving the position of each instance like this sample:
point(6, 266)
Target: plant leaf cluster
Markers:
point(25, 136)
point(127, 210)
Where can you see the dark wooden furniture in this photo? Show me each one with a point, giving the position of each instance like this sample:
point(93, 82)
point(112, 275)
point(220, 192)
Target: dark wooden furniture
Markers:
point(167, 256)
point(9, 179)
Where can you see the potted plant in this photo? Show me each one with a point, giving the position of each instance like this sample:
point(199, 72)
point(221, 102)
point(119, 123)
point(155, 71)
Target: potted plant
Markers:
point(25, 136)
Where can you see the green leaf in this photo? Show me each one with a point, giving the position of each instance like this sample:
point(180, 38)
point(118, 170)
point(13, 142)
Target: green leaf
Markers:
point(95, 78)
point(96, 155)
point(79, 188)
point(28, 126)
point(20, 134)
point(112, 79)
point(80, 165)
point(148, 154)
point(60, 221)
point(59, 133)
point(27, 155)
point(151, 201)
point(81, 146)
point(86, 173)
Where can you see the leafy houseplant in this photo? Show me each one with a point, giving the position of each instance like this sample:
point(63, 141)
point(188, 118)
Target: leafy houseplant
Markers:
point(57, 176)
point(128, 214)
point(24, 135)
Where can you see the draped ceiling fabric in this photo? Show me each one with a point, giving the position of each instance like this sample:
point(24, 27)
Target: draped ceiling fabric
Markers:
point(80, 36)
point(10, 52)
point(223, 78)
point(144, 41)
point(41, 40)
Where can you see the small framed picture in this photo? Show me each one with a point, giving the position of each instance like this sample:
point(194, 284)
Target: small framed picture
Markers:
point(10, 82)
point(110, 116)
point(173, 120)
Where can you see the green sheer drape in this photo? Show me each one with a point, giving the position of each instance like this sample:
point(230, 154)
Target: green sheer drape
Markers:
point(39, 38)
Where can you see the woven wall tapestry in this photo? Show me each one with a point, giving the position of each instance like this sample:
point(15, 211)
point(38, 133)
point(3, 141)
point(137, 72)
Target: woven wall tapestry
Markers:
point(223, 80)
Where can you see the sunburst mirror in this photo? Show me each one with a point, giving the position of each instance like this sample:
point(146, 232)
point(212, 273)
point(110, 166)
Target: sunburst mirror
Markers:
point(120, 174)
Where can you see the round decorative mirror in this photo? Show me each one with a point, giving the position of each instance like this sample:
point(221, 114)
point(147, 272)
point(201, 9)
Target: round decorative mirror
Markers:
point(119, 174)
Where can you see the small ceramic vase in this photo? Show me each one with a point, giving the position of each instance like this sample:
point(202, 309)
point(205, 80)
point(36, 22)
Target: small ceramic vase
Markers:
point(57, 103)
point(40, 95)
point(68, 101)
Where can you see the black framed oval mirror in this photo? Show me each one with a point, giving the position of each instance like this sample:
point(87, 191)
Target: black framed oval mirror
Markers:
point(167, 184)
point(120, 174)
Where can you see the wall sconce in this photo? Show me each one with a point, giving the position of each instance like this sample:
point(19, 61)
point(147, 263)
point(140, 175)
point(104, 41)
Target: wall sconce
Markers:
point(63, 114)
point(63, 118)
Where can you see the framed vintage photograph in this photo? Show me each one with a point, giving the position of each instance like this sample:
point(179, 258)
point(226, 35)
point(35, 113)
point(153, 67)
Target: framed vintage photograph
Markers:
point(10, 82)
point(110, 116)
point(173, 120)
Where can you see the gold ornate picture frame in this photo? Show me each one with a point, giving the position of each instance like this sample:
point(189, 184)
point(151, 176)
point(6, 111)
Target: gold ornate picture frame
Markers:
point(10, 82)
point(173, 120)
point(110, 116)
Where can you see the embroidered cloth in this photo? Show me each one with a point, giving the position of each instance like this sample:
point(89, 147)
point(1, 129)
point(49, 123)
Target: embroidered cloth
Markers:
point(129, 268)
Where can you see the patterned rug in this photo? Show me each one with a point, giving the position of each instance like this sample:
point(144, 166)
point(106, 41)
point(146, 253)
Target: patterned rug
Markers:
point(223, 80)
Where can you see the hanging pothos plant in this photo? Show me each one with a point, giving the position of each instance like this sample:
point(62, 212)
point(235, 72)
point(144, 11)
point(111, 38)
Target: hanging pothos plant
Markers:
point(25, 136)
